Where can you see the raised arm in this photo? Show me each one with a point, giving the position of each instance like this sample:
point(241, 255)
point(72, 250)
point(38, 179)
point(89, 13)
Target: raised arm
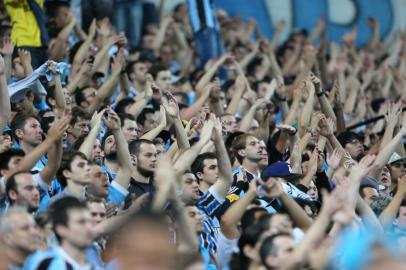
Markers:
point(87, 146)
point(84, 48)
point(230, 219)
point(223, 184)
point(55, 133)
point(153, 133)
point(60, 45)
point(186, 159)
point(274, 189)
point(106, 90)
point(59, 97)
point(389, 214)
point(324, 103)
point(5, 107)
point(240, 86)
point(123, 154)
point(172, 109)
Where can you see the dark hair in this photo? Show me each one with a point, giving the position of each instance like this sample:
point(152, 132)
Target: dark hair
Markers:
point(19, 121)
point(78, 112)
point(42, 219)
point(11, 183)
point(126, 116)
point(7, 155)
point(67, 159)
point(249, 237)
point(155, 69)
point(198, 164)
point(141, 118)
point(130, 67)
point(122, 104)
point(239, 143)
point(346, 136)
point(135, 146)
point(73, 50)
point(59, 212)
point(248, 218)
point(268, 247)
point(79, 96)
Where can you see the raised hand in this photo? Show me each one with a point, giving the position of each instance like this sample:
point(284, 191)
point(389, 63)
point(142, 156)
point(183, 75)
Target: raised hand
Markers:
point(112, 121)
point(58, 129)
point(316, 81)
point(116, 66)
point(25, 56)
point(217, 128)
point(206, 131)
point(326, 126)
point(97, 117)
point(8, 46)
point(171, 105)
point(52, 67)
point(92, 29)
point(334, 159)
point(273, 188)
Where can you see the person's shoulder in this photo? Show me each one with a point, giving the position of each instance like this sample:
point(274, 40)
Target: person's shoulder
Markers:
point(40, 260)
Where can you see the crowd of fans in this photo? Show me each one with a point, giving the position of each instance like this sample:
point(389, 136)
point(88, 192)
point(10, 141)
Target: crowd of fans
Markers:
point(190, 141)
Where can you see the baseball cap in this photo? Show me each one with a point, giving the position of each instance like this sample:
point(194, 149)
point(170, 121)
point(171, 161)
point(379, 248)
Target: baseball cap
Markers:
point(279, 169)
point(395, 157)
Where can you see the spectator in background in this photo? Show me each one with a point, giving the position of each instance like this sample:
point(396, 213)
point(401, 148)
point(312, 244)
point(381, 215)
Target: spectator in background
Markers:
point(29, 28)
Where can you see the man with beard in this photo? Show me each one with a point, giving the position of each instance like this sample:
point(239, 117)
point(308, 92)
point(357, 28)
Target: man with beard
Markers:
point(144, 158)
point(112, 139)
point(22, 190)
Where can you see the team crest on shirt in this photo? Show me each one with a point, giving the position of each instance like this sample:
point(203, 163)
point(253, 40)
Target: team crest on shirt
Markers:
point(232, 197)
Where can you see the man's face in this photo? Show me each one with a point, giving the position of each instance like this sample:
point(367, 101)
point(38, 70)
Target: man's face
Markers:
point(229, 123)
point(254, 126)
point(80, 171)
point(284, 246)
point(97, 212)
point(280, 223)
point(99, 183)
point(166, 55)
point(253, 149)
point(81, 127)
point(210, 172)
point(110, 148)
point(89, 95)
point(146, 159)
point(79, 230)
point(190, 192)
point(163, 79)
point(385, 177)
point(370, 194)
point(142, 243)
point(354, 148)
point(195, 218)
point(97, 153)
point(27, 192)
point(31, 133)
point(62, 16)
point(397, 170)
point(130, 130)
point(312, 191)
point(149, 123)
point(23, 105)
point(160, 148)
point(262, 89)
point(264, 154)
point(23, 235)
point(139, 72)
